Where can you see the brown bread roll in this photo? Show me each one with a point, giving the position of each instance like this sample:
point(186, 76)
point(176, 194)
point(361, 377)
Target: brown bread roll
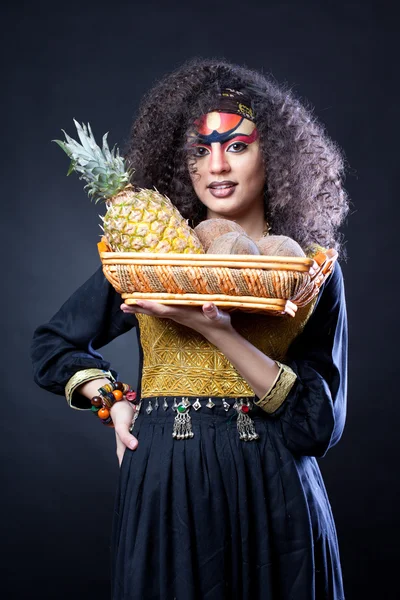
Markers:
point(210, 229)
point(233, 242)
point(279, 245)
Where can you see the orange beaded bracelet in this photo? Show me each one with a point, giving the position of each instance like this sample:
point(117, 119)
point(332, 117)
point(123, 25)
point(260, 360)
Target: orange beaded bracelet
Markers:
point(108, 394)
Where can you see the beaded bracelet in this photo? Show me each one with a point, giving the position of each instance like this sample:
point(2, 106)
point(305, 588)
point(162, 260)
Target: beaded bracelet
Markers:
point(108, 394)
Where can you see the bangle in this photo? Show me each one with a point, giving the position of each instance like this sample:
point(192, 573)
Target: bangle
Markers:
point(106, 397)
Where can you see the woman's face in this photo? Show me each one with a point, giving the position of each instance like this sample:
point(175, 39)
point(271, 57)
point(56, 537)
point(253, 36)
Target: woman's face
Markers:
point(226, 166)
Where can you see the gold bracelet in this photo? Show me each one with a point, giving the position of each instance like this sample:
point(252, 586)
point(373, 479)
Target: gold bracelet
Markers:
point(281, 387)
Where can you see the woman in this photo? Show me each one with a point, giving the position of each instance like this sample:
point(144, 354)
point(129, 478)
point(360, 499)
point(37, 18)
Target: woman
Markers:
point(215, 516)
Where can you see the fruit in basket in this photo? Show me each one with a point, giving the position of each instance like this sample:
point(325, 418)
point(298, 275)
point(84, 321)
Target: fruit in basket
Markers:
point(233, 242)
point(210, 229)
point(137, 220)
point(279, 245)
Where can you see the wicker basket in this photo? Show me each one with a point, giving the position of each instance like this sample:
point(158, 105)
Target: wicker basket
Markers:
point(276, 284)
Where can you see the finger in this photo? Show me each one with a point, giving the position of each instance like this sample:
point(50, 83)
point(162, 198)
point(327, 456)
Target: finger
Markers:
point(126, 308)
point(146, 307)
point(126, 437)
point(134, 310)
point(211, 311)
point(122, 414)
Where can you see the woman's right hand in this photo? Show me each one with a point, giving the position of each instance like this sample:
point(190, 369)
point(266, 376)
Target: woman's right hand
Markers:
point(122, 414)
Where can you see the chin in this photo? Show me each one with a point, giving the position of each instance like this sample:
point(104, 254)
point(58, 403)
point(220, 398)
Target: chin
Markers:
point(223, 212)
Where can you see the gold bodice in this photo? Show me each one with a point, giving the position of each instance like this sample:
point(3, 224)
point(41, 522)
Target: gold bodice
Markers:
point(179, 361)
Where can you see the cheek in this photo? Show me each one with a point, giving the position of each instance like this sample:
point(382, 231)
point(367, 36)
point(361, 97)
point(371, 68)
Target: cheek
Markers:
point(196, 170)
point(196, 181)
point(259, 177)
point(258, 171)
point(194, 174)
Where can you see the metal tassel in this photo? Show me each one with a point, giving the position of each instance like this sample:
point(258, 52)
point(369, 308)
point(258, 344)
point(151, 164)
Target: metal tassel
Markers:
point(244, 423)
point(183, 422)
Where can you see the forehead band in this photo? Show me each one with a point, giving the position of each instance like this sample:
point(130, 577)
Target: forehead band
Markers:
point(238, 103)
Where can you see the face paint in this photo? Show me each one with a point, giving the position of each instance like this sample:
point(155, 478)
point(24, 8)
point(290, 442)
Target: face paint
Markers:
point(224, 128)
point(226, 166)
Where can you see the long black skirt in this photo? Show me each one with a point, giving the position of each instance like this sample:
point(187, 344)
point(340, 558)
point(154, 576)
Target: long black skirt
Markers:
point(218, 518)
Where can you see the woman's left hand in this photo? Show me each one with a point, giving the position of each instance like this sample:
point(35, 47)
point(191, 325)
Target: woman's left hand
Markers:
point(203, 319)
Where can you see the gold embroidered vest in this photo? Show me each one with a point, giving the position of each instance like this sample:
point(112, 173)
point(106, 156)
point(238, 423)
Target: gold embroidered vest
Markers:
point(180, 361)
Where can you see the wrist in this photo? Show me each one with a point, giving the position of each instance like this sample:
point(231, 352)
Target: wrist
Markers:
point(218, 336)
point(107, 396)
point(90, 388)
point(124, 403)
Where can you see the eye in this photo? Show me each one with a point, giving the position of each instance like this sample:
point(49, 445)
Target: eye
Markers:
point(199, 151)
point(237, 147)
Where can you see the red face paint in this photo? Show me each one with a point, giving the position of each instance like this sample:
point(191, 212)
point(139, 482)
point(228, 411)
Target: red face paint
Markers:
point(224, 128)
point(219, 122)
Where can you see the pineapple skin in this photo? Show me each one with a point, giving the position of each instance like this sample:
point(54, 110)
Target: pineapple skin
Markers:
point(146, 221)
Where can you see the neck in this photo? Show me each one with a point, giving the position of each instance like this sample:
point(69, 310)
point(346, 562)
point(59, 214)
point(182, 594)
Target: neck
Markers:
point(253, 223)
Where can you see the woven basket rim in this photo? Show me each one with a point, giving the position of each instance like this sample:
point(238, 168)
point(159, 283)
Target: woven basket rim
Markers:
point(278, 306)
point(195, 258)
point(204, 261)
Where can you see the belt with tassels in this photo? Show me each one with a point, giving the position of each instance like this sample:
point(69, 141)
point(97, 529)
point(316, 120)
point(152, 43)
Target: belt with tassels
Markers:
point(183, 405)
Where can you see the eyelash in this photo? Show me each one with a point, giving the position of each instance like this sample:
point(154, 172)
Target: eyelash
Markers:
point(242, 145)
point(196, 152)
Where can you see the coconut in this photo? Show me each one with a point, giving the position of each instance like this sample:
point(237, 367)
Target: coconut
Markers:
point(209, 230)
point(279, 245)
point(233, 242)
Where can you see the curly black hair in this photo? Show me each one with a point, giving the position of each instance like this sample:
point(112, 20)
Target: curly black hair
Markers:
point(304, 196)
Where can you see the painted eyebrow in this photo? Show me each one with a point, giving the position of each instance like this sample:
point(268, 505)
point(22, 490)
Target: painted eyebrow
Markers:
point(238, 137)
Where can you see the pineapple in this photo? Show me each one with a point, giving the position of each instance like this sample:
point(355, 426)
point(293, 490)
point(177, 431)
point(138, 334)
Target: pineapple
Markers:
point(137, 220)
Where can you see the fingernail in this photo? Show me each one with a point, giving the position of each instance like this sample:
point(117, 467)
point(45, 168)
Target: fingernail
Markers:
point(132, 444)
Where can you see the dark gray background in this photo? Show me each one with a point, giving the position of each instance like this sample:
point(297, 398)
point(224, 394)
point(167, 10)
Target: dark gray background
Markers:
point(93, 61)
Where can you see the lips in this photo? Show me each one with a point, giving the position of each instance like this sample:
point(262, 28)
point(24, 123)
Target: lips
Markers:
point(222, 189)
point(218, 185)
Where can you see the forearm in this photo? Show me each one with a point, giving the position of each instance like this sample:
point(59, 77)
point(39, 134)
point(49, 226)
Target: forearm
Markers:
point(256, 368)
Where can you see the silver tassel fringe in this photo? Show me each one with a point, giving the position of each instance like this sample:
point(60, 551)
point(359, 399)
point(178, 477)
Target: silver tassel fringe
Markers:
point(245, 425)
point(183, 422)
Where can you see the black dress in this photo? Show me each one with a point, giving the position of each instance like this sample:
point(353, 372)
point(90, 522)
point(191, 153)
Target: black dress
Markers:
point(213, 517)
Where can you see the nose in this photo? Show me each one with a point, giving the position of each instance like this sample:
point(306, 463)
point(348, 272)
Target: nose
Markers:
point(219, 162)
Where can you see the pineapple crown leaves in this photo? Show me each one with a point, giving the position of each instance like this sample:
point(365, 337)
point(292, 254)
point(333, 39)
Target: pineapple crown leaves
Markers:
point(103, 169)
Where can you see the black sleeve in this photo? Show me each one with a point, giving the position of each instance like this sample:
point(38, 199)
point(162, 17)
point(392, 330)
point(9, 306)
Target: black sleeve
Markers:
point(312, 417)
point(89, 319)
